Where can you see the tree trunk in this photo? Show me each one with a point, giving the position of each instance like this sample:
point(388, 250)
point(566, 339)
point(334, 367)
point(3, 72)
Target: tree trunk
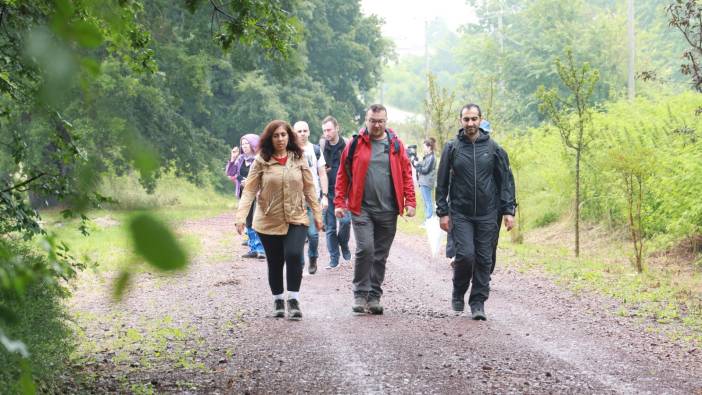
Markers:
point(577, 201)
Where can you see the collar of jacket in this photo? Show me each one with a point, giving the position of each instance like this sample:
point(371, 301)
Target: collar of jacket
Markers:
point(364, 134)
point(272, 161)
point(462, 136)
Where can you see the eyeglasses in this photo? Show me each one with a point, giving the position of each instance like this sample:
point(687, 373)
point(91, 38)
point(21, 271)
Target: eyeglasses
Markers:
point(378, 121)
point(468, 119)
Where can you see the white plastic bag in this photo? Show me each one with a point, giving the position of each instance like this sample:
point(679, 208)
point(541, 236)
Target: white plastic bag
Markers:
point(434, 234)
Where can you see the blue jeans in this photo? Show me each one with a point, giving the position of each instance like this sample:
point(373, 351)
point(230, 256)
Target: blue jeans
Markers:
point(254, 241)
point(312, 236)
point(336, 240)
point(428, 202)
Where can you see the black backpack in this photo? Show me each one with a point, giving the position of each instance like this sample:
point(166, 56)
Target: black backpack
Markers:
point(317, 150)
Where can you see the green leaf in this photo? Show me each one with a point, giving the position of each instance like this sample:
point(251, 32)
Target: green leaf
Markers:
point(86, 34)
point(122, 283)
point(155, 243)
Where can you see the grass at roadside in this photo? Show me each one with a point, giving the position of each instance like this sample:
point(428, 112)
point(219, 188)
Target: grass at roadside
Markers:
point(108, 245)
point(664, 298)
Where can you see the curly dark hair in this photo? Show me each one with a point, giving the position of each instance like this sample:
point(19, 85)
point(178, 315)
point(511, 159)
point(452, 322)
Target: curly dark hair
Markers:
point(265, 144)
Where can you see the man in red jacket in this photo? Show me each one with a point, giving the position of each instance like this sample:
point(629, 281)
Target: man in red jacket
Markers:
point(374, 182)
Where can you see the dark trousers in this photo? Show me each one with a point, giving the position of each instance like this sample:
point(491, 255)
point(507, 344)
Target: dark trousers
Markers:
point(474, 240)
point(374, 234)
point(285, 250)
point(451, 247)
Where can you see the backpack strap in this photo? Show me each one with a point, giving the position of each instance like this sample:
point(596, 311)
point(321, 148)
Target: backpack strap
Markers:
point(317, 150)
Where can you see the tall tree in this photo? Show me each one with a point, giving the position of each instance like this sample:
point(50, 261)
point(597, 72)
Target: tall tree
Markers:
point(572, 116)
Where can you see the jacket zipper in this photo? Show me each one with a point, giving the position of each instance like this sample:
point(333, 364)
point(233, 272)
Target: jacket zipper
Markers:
point(475, 184)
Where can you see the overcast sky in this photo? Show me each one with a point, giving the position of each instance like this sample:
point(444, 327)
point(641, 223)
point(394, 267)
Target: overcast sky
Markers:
point(404, 19)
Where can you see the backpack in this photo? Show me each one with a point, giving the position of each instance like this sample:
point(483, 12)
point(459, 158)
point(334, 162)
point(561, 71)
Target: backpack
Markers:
point(317, 150)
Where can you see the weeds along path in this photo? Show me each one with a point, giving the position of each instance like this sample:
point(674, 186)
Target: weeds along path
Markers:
point(209, 330)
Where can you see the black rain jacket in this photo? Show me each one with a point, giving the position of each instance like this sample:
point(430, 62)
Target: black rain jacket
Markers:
point(475, 182)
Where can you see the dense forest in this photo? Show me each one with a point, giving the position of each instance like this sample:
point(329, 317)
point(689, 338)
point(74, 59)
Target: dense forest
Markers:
point(91, 91)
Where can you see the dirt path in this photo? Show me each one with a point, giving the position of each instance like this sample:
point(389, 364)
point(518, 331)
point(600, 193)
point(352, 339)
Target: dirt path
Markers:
point(209, 331)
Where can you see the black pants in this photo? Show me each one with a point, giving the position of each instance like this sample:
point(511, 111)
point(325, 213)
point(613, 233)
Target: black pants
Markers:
point(284, 250)
point(451, 248)
point(474, 242)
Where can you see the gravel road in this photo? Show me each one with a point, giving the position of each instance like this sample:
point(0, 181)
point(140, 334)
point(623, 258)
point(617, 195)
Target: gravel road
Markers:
point(538, 337)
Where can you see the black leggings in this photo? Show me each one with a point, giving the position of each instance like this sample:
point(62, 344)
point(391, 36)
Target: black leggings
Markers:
point(285, 249)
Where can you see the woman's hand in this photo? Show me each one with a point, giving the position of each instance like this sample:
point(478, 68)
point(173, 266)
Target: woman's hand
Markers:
point(240, 228)
point(235, 154)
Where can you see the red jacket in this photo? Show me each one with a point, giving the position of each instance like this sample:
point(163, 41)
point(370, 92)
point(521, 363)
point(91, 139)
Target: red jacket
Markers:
point(348, 193)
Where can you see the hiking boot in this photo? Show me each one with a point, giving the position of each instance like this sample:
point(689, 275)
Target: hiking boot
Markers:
point(346, 253)
point(261, 255)
point(250, 254)
point(359, 305)
point(374, 306)
point(278, 308)
point(478, 312)
point(294, 312)
point(312, 269)
point(458, 305)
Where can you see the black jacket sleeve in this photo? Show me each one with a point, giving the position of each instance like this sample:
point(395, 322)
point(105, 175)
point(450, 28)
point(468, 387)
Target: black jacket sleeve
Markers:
point(443, 182)
point(505, 180)
point(426, 166)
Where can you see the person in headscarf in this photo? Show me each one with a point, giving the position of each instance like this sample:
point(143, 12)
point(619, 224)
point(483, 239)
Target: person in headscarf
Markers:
point(237, 171)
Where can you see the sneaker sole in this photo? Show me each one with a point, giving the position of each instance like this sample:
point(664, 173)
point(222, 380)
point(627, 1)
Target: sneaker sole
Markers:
point(479, 317)
point(294, 318)
point(358, 310)
point(279, 314)
point(376, 311)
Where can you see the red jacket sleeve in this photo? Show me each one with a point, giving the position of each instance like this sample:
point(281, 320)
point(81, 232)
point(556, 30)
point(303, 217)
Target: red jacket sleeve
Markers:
point(342, 181)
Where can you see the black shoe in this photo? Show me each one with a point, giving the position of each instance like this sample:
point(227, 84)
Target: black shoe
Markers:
point(250, 254)
point(374, 306)
point(261, 255)
point(294, 312)
point(359, 304)
point(312, 269)
point(458, 305)
point(278, 308)
point(478, 312)
point(245, 243)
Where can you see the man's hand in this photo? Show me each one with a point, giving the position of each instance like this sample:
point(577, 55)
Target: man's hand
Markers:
point(509, 222)
point(445, 223)
point(319, 225)
point(410, 211)
point(324, 202)
point(339, 212)
point(240, 228)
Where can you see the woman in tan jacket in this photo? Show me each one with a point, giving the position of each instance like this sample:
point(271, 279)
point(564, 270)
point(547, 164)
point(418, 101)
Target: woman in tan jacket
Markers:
point(282, 184)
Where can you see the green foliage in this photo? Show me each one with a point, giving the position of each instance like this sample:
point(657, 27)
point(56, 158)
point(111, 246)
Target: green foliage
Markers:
point(155, 243)
point(440, 109)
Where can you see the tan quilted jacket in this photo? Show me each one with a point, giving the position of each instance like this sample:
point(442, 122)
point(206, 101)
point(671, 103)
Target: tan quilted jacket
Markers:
point(282, 195)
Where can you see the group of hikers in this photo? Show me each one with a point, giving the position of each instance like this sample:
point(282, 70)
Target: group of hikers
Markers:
point(291, 189)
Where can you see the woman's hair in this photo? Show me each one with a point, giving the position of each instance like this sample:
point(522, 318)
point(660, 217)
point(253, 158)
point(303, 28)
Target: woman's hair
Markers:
point(265, 144)
point(431, 142)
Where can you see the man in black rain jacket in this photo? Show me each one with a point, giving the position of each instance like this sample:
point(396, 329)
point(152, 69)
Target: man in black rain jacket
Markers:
point(473, 169)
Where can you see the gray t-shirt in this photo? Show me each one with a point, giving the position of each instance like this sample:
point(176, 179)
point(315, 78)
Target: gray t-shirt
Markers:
point(378, 195)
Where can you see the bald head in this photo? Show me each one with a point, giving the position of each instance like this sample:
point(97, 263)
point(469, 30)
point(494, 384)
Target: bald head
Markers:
point(303, 131)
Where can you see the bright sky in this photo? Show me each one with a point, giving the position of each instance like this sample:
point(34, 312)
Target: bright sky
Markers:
point(404, 19)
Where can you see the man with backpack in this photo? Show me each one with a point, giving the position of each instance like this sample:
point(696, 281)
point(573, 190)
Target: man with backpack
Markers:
point(375, 184)
point(316, 163)
point(337, 236)
point(472, 170)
